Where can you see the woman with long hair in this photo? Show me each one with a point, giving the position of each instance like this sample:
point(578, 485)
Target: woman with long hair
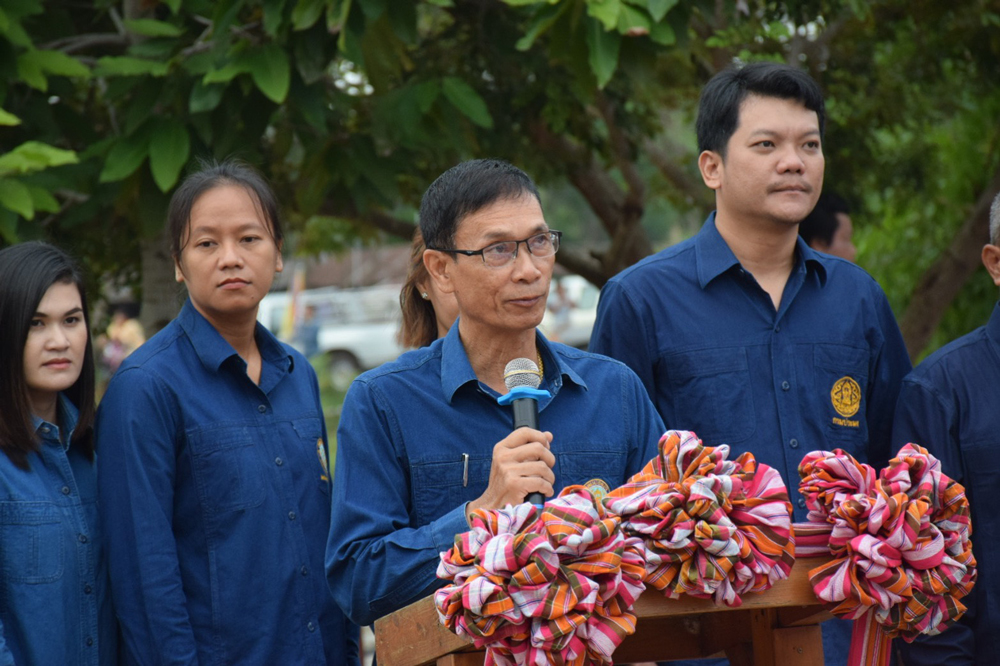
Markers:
point(428, 312)
point(55, 605)
point(215, 486)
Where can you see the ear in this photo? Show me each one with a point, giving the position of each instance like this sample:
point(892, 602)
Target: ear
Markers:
point(279, 263)
point(178, 272)
point(991, 259)
point(439, 266)
point(711, 166)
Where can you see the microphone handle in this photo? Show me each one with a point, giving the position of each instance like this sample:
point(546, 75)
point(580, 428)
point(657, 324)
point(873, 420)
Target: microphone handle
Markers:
point(526, 416)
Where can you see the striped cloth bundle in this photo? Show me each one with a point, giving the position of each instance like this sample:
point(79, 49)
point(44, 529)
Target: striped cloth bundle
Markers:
point(554, 586)
point(902, 554)
point(710, 527)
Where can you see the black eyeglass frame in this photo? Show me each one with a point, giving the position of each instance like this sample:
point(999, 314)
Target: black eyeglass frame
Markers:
point(555, 237)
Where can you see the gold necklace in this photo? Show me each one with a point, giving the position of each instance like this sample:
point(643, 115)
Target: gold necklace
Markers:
point(541, 364)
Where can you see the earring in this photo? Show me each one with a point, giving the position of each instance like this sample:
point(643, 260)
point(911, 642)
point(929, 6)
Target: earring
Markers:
point(425, 296)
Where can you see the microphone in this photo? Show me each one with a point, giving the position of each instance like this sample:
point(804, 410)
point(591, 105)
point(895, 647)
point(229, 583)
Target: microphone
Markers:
point(522, 378)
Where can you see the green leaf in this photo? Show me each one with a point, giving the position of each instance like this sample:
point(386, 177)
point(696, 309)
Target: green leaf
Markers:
point(175, 6)
point(153, 28)
point(60, 64)
point(542, 22)
point(659, 8)
point(43, 199)
point(168, 152)
point(30, 71)
point(273, 13)
point(272, 72)
point(663, 33)
point(8, 119)
point(604, 47)
point(33, 156)
point(605, 11)
point(228, 72)
point(125, 157)
point(128, 66)
point(14, 32)
point(441, 3)
point(306, 13)
point(205, 97)
point(15, 196)
point(8, 226)
point(633, 22)
point(467, 100)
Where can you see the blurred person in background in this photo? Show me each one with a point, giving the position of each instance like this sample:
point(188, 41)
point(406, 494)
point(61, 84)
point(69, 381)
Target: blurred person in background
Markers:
point(56, 604)
point(428, 313)
point(124, 336)
point(216, 486)
point(828, 227)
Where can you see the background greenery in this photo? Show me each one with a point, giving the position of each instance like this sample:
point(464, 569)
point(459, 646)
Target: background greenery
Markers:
point(352, 107)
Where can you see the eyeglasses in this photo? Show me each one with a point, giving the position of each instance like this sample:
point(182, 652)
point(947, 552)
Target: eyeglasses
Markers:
point(498, 255)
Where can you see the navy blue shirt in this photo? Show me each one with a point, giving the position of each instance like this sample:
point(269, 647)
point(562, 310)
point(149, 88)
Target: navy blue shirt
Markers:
point(949, 405)
point(216, 497)
point(404, 431)
point(821, 372)
point(55, 605)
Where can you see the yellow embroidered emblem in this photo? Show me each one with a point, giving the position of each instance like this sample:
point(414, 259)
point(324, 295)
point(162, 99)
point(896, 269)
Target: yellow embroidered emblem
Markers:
point(846, 396)
point(598, 488)
point(321, 452)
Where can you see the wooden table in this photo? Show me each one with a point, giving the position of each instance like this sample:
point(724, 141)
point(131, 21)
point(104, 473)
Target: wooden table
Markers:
point(775, 628)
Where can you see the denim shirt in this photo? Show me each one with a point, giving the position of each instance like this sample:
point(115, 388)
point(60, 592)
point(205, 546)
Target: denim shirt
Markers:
point(405, 431)
point(949, 404)
point(822, 371)
point(55, 605)
point(216, 496)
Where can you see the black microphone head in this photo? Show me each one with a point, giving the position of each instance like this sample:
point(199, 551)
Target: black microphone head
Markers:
point(521, 372)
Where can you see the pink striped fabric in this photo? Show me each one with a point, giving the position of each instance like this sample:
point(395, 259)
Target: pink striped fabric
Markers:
point(554, 586)
point(902, 552)
point(711, 527)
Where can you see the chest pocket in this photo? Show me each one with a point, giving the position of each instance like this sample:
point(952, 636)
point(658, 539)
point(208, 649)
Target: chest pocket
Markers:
point(437, 486)
point(227, 468)
point(841, 386)
point(32, 542)
point(711, 393)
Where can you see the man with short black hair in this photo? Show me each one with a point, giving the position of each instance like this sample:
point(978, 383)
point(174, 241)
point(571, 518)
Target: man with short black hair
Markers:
point(423, 442)
point(828, 228)
point(743, 334)
point(949, 405)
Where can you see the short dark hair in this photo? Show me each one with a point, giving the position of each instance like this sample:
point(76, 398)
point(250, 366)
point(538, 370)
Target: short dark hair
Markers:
point(27, 271)
point(719, 107)
point(212, 174)
point(821, 224)
point(464, 189)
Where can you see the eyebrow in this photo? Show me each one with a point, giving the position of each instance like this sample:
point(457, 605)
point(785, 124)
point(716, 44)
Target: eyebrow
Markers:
point(246, 226)
point(496, 236)
point(772, 133)
point(41, 315)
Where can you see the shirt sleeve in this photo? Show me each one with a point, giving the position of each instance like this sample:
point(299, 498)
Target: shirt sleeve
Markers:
point(136, 436)
point(924, 418)
point(619, 332)
point(648, 425)
point(376, 562)
point(888, 368)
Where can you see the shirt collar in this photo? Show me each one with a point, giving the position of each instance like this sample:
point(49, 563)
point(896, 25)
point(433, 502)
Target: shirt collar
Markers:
point(456, 371)
point(67, 414)
point(213, 350)
point(714, 257)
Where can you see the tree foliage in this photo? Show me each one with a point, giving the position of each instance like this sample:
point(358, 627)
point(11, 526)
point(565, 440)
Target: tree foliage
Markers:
point(352, 107)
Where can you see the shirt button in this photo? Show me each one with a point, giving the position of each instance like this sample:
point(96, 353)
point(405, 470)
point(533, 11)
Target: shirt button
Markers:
point(90, 641)
point(291, 515)
point(311, 626)
point(777, 329)
point(45, 429)
point(65, 490)
point(83, 538)
point(801, 503)
point(785, 386)
point(87, 589)
point(304, 570)
point(794, 443)
point(261, 408)
point(279, 462)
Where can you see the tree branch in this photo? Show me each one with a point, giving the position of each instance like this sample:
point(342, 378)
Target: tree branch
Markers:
point(940, 284)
